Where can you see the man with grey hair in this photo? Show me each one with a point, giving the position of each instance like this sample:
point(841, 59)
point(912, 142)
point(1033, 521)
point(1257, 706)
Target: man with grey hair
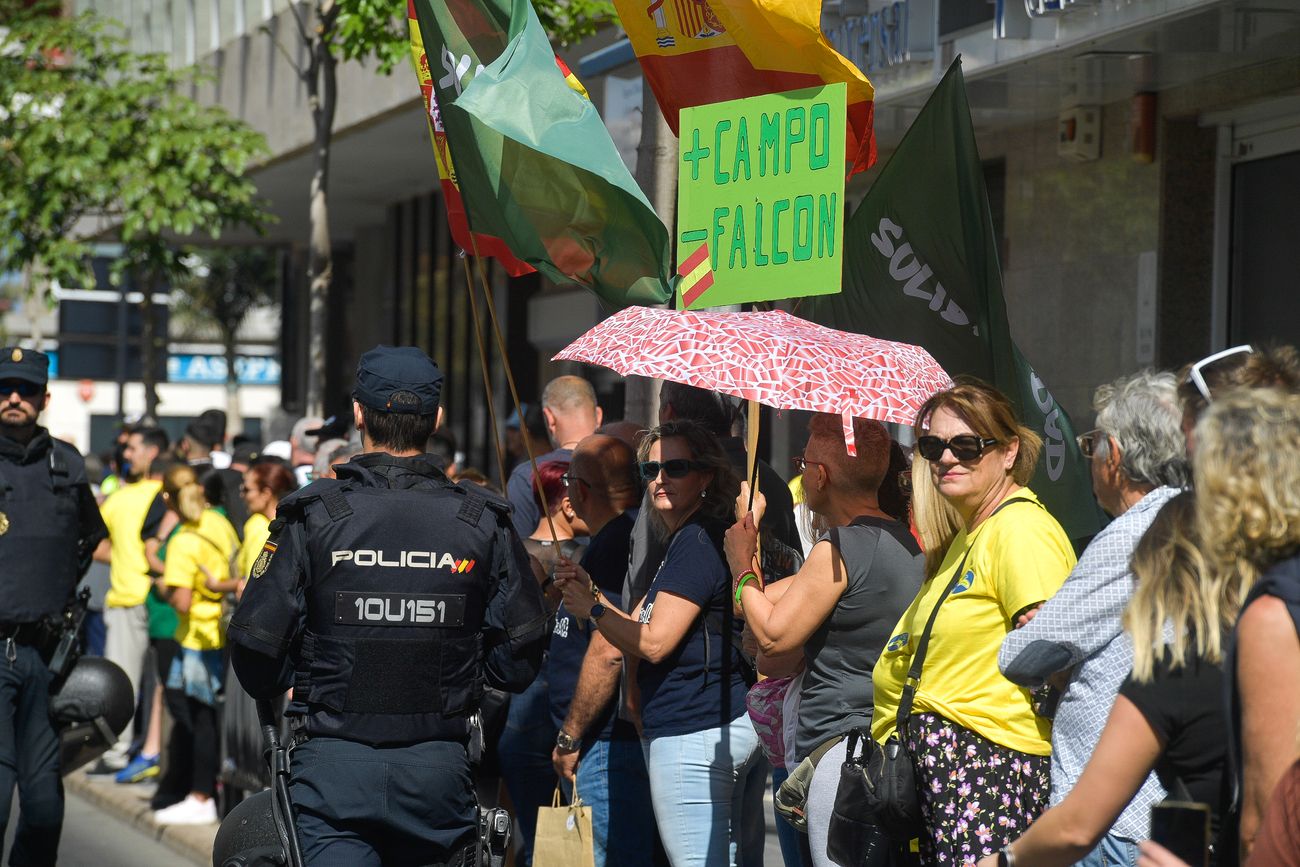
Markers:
point(569, 406)
point(303, 446)
point(1139, 462)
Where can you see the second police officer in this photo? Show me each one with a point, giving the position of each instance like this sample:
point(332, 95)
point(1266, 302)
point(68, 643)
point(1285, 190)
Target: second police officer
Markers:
point(49, 525)
point(387, 598)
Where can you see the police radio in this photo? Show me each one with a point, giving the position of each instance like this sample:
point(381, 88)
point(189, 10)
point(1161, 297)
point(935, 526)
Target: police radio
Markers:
point(65, 634)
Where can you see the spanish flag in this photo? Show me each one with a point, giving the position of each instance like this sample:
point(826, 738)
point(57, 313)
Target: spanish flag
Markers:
point(695, 52)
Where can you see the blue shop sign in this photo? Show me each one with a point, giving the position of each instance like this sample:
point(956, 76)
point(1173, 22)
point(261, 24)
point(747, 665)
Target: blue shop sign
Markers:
point(250, 369)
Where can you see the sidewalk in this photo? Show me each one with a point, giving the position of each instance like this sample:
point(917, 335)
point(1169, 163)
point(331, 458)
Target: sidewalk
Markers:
point(130, 804)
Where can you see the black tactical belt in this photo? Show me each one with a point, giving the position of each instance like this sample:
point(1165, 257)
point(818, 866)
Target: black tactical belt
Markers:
point(22, 633)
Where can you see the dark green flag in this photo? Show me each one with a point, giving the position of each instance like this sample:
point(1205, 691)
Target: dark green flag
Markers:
point(534, 161)
point(921, 266)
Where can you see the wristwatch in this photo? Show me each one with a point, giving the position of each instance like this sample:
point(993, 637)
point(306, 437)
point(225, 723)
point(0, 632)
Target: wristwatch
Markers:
point(597, 611)
point(1006, 858)
point(565, 741)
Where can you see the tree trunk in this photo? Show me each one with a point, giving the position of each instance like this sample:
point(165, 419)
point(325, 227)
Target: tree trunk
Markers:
point(322, 96)
point(148, 348)
point(29, 300)
point(234, 421)
point(656, 172)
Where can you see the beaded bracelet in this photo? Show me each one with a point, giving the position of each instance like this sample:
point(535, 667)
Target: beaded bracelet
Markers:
point(750, 575)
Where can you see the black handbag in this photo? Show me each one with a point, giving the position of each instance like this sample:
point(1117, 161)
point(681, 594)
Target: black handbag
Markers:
point(877, 789)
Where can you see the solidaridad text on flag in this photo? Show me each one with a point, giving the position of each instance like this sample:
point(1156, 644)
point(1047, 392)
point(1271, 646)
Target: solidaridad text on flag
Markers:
point(761, 198)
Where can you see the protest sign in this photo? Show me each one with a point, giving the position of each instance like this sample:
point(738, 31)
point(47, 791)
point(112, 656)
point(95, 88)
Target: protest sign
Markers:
point(760, 198)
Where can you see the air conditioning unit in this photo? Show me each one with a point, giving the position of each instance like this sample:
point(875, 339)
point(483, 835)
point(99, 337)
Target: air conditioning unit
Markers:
point(1078, 134)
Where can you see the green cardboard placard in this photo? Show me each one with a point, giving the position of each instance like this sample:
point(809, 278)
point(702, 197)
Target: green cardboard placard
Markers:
point(760, 197)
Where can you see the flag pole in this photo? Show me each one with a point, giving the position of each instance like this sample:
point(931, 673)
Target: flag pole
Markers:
point(510, 380)
point(487, 377)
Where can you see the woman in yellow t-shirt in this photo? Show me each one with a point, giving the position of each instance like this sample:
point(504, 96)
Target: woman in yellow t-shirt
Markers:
point(202, 546)
point(979, 750)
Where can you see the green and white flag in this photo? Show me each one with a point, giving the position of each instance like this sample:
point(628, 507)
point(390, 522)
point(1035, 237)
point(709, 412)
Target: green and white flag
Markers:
point(921, 266)
point(533, 160)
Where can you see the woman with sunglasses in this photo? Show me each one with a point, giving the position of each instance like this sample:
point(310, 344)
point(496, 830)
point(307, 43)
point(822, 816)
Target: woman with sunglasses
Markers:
point(707, 774)
point(838, 609)
point(265, 484)
point(978, 749)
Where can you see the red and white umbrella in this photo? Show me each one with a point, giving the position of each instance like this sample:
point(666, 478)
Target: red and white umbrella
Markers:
point(771, 357)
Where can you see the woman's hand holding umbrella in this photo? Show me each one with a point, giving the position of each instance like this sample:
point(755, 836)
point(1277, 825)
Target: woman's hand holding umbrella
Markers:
point(741, 546)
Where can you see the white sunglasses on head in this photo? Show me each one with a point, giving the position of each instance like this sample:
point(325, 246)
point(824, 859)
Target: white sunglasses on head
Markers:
point(1198, 380)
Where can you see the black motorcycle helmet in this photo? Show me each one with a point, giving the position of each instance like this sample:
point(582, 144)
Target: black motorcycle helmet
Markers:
point(90, 709)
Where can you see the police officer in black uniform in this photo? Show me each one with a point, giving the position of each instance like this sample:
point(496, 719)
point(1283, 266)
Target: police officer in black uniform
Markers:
point(49, 527)
point(387, 598)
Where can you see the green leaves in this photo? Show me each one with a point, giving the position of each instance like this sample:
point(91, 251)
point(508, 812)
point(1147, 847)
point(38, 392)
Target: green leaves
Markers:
point(219, 287)
point(94, 137)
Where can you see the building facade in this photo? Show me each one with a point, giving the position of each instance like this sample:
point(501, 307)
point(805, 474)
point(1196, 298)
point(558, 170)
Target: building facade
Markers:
point(1140, 156)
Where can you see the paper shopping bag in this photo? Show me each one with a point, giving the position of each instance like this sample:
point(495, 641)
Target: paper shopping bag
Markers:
point(564, 834)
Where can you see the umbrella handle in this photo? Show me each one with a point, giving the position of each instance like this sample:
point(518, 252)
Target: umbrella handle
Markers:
point(751, 432)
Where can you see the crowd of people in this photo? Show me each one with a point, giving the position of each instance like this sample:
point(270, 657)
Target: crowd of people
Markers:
point(1052, 696)
point(1057, 705)
point(186, 522)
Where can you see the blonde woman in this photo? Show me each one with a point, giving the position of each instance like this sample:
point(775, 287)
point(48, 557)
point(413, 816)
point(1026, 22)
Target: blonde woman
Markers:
point(202, 546)
point(1248, 505)
point(978, 749)
point(1169, 714)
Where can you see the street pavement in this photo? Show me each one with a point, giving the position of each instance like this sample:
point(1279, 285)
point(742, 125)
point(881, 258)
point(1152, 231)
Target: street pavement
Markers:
point(95, 838)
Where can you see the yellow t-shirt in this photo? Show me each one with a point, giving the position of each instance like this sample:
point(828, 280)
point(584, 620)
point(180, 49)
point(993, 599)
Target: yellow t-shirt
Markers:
point(209, 543)
point(1021, 556)
point(257, 529)
point(124, 512)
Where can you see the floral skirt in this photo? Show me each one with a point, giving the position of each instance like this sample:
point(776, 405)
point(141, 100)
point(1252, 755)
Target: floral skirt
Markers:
point(976, 796)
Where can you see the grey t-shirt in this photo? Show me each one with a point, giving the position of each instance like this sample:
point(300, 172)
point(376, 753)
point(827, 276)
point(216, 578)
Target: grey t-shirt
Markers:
point(885, 569)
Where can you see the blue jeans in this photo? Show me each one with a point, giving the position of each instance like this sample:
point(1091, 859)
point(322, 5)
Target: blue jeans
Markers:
point(1112, 851)
point(794, 846)
point(707, 789)
point(524, 751)
point(29, 758)
point(612, 781)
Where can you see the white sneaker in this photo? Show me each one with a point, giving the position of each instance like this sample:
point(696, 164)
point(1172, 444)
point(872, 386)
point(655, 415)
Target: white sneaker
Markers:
point(191, 811)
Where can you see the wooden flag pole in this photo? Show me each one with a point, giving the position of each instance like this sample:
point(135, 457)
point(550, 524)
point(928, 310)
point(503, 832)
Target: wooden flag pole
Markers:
point(514, 391)
point(487, 377)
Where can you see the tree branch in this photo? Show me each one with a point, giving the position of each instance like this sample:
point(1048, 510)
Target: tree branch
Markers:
point(293, 64)
point(303, 31)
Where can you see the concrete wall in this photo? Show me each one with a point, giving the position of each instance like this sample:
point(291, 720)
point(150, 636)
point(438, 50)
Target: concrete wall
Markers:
point(1073, 235)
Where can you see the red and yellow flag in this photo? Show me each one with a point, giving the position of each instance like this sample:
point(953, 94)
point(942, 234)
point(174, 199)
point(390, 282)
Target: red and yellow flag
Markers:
point(694, 52)
point(457, 219)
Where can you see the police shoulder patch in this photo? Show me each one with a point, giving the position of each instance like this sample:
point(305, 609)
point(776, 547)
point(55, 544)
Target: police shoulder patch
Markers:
point(263, 561)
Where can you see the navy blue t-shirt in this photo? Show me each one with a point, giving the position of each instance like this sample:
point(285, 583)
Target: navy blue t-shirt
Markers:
point(606, 563)
point(690, 691)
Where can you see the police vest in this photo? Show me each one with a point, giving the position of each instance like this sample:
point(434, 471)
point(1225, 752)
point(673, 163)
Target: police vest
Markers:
point(398, 582)
point(39, 533)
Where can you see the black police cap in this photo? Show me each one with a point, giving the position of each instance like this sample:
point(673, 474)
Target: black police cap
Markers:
point(29, 365)
point(398, 379)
